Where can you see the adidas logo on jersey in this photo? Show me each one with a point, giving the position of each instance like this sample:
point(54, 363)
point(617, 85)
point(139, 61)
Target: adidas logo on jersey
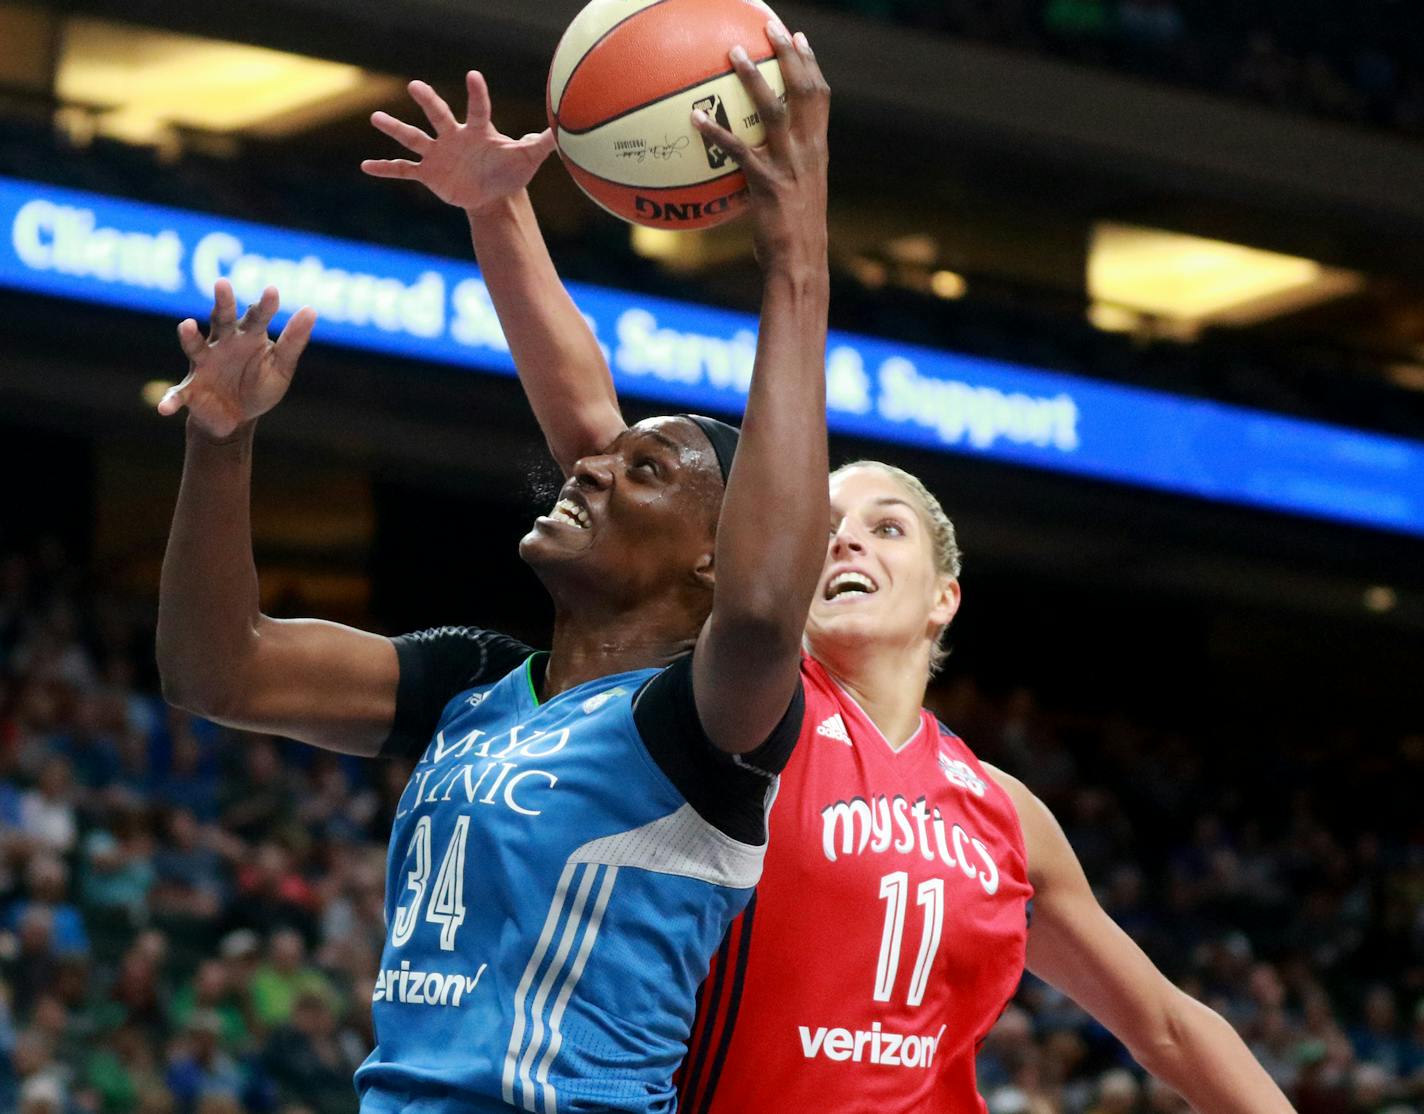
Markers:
point(960, 773)
point(833, 727)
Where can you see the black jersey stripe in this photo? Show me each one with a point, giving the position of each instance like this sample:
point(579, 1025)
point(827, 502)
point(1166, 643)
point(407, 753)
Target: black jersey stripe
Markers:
point(696, 1060)
point(734, 1003)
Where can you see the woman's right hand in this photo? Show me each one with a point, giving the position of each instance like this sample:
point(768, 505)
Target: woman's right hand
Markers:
point(236, 373)
point(471, 165)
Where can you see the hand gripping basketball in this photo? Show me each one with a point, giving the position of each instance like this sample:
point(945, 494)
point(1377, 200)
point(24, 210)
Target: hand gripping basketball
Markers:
point(469, 165)
point(237, 372)
point(786, 176)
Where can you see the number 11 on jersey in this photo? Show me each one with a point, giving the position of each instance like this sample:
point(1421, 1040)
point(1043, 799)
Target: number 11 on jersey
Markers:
point(894, 891)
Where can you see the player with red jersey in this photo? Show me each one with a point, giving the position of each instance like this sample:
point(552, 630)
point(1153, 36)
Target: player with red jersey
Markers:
point(888, 931)
point(891, 924)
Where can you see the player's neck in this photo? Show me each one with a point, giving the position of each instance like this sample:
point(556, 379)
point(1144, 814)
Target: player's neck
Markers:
point(585, 648)
point(889, 687)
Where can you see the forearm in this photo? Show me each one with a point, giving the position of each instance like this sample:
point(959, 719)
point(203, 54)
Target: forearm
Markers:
point(771, 541)
point(557, 355)
point(208, 591)
point(1210, 1066)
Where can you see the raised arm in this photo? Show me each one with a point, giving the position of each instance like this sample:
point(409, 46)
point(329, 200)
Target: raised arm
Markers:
point(1074, 945)
point(218, 655)
point(771, 539)
point(475, 167)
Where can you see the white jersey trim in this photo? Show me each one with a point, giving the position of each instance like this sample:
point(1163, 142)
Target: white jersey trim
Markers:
point(684, 844)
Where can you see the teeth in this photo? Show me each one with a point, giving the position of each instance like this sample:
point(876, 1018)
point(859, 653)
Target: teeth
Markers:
point(849, 582)
point(570, 512)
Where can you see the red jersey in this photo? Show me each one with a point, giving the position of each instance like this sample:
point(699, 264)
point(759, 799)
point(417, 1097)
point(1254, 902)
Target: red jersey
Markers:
point(885, 938)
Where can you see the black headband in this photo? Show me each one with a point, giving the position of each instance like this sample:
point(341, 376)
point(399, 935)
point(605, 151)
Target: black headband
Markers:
point(724, 440)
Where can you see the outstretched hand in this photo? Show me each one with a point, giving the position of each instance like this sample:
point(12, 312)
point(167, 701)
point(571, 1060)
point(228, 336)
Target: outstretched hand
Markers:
point(786, 176)
point(237, 372)
point(470, 165)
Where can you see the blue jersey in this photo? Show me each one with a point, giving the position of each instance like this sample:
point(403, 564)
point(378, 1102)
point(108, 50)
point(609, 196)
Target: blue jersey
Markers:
point(552, 902)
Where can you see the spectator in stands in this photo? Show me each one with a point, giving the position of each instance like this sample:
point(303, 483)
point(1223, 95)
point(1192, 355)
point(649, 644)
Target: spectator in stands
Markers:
point(286, 975)
point(34, 1072)
point(258, 803)
point(273, 892)
point(1118, 1091)
point(197, 1065)
point(135, 995)
point(211, 992)
point(191, 782)
point(190, 874)
point(118, 864)
point(1376, 1038)
point(122, 1070)
point(306, 1061)
point(47, 883)
point(31, 963)
point(47, 812)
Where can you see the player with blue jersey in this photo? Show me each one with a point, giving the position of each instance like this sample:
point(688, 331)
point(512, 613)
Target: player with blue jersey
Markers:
point(581, 825)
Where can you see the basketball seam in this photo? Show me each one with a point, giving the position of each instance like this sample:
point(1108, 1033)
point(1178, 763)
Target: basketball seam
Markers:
point(646, 104)
point(649, 189)
point(594, 46)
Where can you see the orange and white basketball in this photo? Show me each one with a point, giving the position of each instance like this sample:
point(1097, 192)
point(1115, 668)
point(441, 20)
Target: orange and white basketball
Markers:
point(625, 80)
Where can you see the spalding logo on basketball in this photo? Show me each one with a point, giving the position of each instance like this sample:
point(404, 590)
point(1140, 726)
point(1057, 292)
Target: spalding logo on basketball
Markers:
point(625, 79)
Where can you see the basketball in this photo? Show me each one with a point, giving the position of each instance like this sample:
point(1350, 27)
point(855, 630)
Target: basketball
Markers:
point(624, 82)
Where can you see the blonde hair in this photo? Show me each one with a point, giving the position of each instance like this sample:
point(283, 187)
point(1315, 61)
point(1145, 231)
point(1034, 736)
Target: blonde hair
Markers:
point(944, 545)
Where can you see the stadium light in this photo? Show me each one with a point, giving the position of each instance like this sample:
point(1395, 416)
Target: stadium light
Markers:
point(145, 82)
point(1194, 281)
point(153, 391)
point(948, 285)
point(1380, 598)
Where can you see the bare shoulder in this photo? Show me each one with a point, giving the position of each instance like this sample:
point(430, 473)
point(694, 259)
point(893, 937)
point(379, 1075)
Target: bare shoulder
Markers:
point(1045, 845)
point(1022, 796)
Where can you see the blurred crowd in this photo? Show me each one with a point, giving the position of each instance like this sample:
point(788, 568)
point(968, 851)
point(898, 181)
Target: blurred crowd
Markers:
point(1346, 61)
point(191, 918)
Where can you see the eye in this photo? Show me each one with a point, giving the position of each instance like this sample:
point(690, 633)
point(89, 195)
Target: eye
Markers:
point(647, 465)
point(889, 528)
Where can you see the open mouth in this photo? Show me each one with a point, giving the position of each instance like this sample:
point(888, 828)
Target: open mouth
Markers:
point(849, 585)
point(570, 514)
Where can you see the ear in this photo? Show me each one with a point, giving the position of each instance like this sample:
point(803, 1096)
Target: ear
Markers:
point(704, 572)
point(946, 601)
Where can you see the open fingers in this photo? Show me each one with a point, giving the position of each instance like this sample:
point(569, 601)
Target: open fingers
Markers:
point(191, 339)
point(175, 398)
point(537, 144)
point(293, 340)
point(434, 107)
point(477, 108)
point(407, 135)
point(390, 168)
point(744, 156)
point(224, 317)
point(770, 108)
point(259, 313)
point(806, 88)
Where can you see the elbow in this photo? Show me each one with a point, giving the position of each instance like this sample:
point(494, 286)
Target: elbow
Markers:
point(187, 694)
point(193, 685)
point(1164, 1050)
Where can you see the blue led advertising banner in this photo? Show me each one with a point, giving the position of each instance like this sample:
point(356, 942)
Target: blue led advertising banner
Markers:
point(161, 260)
